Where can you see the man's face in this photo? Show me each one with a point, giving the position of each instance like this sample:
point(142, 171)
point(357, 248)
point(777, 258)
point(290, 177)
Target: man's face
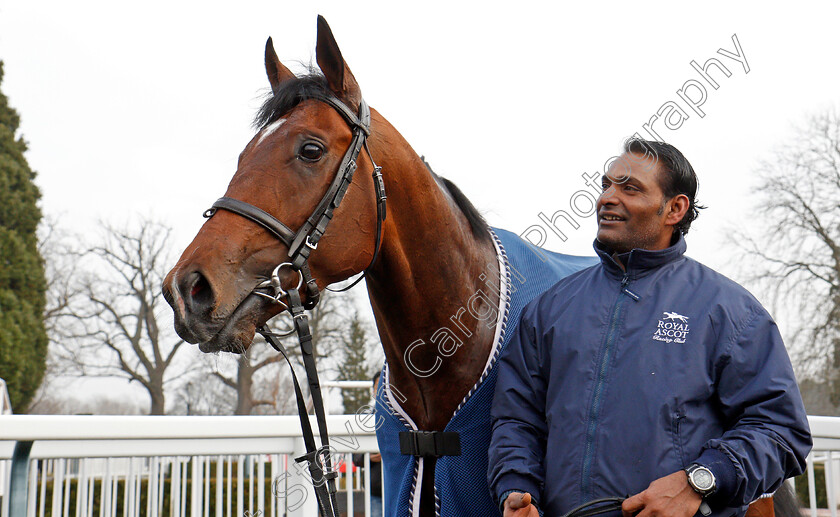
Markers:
point(631, 210)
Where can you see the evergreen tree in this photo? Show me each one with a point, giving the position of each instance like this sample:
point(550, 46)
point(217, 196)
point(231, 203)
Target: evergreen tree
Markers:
point(355, 366)
point(23, 340)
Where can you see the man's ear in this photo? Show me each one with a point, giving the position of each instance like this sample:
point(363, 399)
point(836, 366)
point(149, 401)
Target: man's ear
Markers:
point(675, 209)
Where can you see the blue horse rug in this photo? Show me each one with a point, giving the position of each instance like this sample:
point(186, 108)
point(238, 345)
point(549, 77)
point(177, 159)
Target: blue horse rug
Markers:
point(461, 481)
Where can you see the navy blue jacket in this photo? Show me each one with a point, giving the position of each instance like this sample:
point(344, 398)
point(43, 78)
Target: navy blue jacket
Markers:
point(616, 379)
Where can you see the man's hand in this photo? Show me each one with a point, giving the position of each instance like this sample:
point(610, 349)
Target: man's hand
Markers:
point(518, 504)
point(670, 496)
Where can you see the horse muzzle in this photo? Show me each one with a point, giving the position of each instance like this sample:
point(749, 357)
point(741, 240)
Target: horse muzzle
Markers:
point(202, 318)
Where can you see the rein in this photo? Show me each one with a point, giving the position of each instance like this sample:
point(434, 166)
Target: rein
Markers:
point(301, 243)
point(596, 507)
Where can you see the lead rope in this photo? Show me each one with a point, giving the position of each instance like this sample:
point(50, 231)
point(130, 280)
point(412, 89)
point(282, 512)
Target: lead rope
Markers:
point(325, 495)
point(301, 243)
point(323, 479)
point(607, 504)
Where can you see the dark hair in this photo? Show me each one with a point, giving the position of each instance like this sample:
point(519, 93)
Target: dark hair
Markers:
point(313, 85)
point(289, 94)
point(376, 375)
point(677, 175)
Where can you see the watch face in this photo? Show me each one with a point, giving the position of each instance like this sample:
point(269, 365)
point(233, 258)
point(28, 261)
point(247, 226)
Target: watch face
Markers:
point(702, 479)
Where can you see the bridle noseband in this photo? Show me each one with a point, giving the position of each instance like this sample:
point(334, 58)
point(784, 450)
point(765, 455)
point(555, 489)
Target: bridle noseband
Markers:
point(301, 243)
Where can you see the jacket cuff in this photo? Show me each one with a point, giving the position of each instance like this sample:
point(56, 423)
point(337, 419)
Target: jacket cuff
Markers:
point(726, 477)
point(513, 482)
point(505, 495)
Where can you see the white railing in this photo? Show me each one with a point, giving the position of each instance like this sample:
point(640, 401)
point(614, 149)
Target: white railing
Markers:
point(5, 401)
point(133, 466)
point(826, 452)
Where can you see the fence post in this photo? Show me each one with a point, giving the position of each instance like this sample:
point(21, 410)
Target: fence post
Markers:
point(19, 482)
point(829, 484)
point(299, 493)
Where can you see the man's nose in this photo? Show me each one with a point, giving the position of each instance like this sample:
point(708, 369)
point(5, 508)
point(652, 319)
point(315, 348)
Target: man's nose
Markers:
point(607, 197)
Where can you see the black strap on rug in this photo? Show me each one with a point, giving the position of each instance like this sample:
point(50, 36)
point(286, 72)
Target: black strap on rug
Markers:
point(430, 443)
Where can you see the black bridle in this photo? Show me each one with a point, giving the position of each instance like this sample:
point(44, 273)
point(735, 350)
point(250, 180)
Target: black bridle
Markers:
point(305, 240)
point(301, 244)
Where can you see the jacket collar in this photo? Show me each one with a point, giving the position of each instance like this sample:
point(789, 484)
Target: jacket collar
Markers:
point(639, 262)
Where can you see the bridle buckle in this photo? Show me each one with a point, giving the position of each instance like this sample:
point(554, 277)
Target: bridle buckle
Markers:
point(276, 286)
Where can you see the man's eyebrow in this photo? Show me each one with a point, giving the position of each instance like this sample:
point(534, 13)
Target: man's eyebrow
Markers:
point(621, 180)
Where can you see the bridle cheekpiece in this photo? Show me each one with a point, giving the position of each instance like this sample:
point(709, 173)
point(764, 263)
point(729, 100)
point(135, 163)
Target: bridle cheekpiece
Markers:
point(305, 240)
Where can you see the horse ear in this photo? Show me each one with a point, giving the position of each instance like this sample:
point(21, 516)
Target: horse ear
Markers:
point(277, 71)
point(336, 71)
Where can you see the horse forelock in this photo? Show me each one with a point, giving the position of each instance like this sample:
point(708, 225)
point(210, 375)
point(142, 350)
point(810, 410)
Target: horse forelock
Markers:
point(288, 95)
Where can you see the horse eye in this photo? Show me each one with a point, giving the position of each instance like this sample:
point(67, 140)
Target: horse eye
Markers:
point(311, 152)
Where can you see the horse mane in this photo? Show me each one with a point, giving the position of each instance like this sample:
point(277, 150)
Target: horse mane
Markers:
point(478, 224)
point(314, 85)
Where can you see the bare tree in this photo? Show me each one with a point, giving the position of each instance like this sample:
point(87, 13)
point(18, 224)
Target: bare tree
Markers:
point(54, 404)
point(111, 324)
point(200, 394)
point(247, 365)
point(61, 252)
point(261, 380)
point(798, 250)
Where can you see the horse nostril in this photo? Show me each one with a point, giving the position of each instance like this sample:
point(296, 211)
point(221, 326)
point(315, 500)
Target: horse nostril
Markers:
point(200, 294)
point(198, 287)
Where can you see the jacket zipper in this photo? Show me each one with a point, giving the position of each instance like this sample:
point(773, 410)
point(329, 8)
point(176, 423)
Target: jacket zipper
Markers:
point(595, 408)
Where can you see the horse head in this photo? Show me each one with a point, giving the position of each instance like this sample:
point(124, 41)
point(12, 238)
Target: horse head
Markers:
point(285, 171)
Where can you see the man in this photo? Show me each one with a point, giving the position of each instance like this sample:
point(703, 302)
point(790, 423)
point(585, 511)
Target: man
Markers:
point(648, 374)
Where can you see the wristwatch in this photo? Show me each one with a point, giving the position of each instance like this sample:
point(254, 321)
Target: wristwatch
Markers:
point(701, 479)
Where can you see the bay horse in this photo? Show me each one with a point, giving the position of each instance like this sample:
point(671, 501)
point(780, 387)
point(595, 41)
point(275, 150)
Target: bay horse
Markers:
point(429, 256)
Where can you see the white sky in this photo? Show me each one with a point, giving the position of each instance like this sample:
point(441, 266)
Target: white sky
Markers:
point(143, 107)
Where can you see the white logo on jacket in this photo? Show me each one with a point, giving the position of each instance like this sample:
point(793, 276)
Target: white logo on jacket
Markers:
point(671, 328)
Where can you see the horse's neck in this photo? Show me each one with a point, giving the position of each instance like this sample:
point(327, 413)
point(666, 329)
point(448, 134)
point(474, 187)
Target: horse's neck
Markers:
point(431, 278)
